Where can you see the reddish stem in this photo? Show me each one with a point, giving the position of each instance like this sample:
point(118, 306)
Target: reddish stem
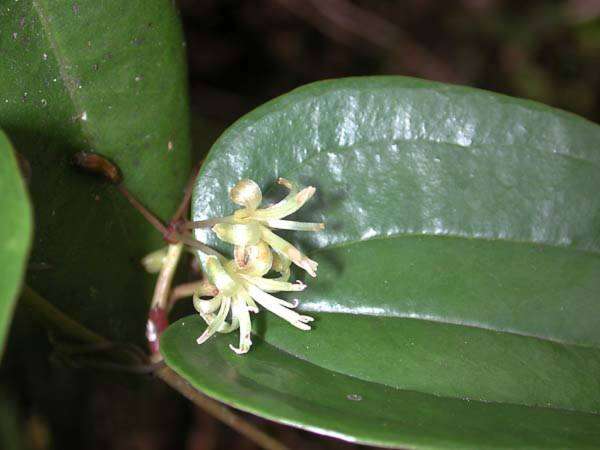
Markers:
point(154, 221)
point(177, 217)
point(156, 325)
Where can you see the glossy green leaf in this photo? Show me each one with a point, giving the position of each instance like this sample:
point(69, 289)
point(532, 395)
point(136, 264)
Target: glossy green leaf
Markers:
point(15, 234)
point(457, 301)
point(109, 78)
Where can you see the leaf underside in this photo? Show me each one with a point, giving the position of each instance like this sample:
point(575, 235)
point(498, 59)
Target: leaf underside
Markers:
point(15, 234)
point(457, 301)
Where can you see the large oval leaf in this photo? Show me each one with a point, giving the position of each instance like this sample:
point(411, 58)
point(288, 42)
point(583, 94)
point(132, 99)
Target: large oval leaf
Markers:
point(458, 294)
point(15, 234)
point(109, 78)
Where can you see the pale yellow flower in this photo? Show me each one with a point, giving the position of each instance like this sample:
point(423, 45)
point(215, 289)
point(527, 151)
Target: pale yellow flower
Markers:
point(241, 283)
point(240, 294)
point(250, 225)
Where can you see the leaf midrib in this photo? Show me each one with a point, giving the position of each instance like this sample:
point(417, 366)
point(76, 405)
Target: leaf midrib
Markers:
point(62, 62)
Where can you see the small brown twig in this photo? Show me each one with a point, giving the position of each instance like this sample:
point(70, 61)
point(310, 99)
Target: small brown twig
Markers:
point(99, 165)
point(55, 321)
point(149, 216)
point(187, 196)
point(218, 410)
point(349, 24)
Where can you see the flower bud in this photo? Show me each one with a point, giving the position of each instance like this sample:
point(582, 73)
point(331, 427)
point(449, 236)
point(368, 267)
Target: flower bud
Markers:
point(153, 262)
point(246, 193)
point(253, 259)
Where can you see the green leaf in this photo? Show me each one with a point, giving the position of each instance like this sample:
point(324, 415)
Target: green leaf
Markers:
point(107, 78)
point(457, 301)
point(15, 234)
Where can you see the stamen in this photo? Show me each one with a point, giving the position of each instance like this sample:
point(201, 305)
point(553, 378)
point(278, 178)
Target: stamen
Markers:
point(262, 297)
point(287, 183)
point(273, 285)
point(225, 327)
point(240, 311)
point(305, 194)
point(290, 204)
point(283, 246)
point(297, 226)
point(219, 277)
point(207, 306)
point(252, 306)
point(217, 322)
point(229, 327)
point(281, 264)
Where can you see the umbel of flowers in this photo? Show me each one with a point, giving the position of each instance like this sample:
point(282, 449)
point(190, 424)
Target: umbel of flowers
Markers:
point(258, 251)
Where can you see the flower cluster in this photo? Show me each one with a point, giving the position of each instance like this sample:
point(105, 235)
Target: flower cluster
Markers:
point(241, 282)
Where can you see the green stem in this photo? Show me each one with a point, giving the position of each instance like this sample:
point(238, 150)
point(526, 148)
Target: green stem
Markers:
point(165, 277)
point(77, 341)
point(57, 321)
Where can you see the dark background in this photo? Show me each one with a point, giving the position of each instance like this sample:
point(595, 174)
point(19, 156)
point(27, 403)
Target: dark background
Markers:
point(243, 53)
